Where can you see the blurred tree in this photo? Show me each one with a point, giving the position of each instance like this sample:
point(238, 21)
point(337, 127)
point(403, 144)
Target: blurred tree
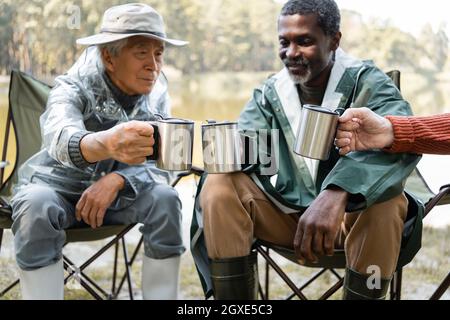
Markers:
point(224, 35)
point(390, 47)
point(6, 30)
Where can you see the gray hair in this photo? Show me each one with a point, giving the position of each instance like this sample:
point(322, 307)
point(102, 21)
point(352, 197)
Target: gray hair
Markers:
point(327, 11)
point(114, 47)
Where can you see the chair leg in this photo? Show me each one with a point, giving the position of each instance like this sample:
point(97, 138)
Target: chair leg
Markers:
point(86, 281)
point(442, 288)
point(267, 276)
point(281, 273)
point(396, 285)
point(116, 255)
point(263, 288)
point(1, 238)
point(127, 269)
point(261, 292)
point(133, 257)
point(8, 288)
point(75, 271)
point(333, 289)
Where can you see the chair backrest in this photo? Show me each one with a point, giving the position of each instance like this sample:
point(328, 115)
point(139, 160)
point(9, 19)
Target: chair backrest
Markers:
point(27, 101)
point(395, 76)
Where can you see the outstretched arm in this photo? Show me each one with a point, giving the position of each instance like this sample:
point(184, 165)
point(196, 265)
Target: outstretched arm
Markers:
point(362, 129)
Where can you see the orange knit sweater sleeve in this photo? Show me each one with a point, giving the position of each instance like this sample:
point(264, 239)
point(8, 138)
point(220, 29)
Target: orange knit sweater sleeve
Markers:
point(421, 134)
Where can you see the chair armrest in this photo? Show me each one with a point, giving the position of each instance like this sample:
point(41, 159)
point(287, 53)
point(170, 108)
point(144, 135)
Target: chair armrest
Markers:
point(197, 171)
point(194, 170)
point(5, 208)
point(3, 202)
point(3, 165)
point(437, 199)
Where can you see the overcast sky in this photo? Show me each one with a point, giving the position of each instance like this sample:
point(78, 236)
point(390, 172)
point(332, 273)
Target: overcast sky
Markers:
point(409, 15)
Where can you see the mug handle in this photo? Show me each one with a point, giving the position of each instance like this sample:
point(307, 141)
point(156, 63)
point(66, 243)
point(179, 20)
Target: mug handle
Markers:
point(155, 154)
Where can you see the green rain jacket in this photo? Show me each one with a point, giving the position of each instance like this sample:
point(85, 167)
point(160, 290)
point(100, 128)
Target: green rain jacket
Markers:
point(369, 177)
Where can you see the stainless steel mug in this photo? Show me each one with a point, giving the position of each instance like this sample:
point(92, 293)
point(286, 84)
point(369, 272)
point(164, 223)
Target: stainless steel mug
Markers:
point(173, 147)
point(222, 147)
point(316, 133)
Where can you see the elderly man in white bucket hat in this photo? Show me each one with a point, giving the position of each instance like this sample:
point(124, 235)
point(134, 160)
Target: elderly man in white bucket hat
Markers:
point(92, 167)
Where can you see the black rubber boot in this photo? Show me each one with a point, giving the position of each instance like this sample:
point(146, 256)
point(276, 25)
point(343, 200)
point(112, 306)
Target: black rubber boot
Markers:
point(235, 278)
point(356, 287)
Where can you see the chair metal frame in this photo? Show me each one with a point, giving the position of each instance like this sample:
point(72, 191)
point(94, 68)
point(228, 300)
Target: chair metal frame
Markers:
point(440, 197)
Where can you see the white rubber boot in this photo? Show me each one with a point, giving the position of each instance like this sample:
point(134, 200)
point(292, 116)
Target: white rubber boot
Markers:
point(160, 278)
point(45, 283)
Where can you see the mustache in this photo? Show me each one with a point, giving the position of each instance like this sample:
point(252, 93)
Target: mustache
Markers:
point(299, 62)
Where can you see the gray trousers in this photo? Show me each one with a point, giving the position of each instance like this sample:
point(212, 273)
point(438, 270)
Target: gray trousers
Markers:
point(41, 215)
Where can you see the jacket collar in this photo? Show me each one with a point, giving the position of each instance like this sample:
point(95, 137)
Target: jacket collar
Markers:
point(334, 93)
point(287, 91)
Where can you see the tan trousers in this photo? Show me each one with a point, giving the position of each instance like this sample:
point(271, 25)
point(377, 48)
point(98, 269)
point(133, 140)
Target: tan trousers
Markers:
point(236, 212)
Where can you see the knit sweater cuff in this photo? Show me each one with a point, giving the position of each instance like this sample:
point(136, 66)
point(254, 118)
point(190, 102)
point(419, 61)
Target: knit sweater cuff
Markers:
point(403, 134)
point(75, 152)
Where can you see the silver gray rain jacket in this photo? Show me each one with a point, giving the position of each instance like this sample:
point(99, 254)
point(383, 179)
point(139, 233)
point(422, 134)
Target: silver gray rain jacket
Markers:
point(82, 102)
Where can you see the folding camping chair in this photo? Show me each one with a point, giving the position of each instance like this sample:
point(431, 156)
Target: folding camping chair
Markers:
point(416, 185)
point(331, 264)
point(27, 100)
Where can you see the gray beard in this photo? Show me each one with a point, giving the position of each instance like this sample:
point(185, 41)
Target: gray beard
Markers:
point(300, 79)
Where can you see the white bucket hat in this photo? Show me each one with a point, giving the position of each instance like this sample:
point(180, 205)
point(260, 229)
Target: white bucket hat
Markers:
point(128, 20)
